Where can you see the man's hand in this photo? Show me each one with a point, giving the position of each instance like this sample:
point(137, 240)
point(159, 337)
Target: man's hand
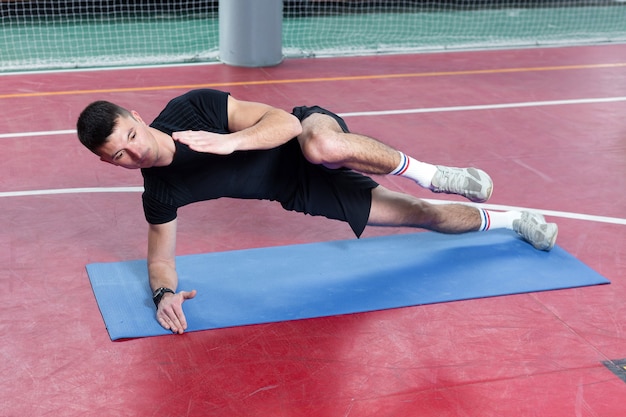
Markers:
point(170, 311)
point(207, 142)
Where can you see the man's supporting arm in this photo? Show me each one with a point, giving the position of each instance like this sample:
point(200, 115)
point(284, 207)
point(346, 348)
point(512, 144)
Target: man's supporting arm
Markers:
point(163, 276)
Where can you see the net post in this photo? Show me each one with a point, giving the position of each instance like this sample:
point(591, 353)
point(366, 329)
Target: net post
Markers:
point(250, 32)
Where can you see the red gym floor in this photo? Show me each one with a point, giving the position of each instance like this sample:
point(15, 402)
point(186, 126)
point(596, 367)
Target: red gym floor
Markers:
point(547, 124)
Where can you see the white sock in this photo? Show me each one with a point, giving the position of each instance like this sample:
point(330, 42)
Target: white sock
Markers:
point(420, 172)
point(497, 219)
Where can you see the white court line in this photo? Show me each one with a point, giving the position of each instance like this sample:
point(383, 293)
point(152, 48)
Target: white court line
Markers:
point(72, 191)
point(562, 214)
point(396, 112)
point(488, 106)
point(30, 134)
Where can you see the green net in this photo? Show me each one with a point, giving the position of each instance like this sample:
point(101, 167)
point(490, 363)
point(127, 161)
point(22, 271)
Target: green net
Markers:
point(80, 34)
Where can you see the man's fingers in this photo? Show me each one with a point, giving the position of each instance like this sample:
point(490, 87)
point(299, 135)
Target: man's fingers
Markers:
point(186, 137)
point(179, 321)
point(169, 318)
point(170, 314)
point(163, 323)
point(167, 324)
point(173, 323)
point(187, 295)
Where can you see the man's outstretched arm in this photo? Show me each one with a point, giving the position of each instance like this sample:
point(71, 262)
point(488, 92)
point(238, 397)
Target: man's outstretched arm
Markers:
point(163, 277)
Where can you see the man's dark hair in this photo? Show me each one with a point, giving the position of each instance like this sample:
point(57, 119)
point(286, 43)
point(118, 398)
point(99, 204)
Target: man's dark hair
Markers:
point(96, 123)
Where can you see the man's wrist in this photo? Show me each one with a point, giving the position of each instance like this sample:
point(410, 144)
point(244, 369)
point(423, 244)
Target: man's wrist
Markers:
point(158, 294)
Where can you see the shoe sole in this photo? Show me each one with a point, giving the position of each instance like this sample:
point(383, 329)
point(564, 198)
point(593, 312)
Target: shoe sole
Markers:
point(489, 190)
point(553, 240)
point(482, 200)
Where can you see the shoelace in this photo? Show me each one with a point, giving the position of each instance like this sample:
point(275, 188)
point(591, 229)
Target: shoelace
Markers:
point(528, 225)
point(453, 182)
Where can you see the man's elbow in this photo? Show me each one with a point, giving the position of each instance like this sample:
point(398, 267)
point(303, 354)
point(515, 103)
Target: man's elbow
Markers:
point(295, 125)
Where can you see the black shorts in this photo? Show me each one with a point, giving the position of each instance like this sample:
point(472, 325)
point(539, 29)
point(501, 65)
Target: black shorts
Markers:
point(303, 112)
point(340, 194)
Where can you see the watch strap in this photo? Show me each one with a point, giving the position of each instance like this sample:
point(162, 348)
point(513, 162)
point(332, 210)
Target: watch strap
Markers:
point(158, 294)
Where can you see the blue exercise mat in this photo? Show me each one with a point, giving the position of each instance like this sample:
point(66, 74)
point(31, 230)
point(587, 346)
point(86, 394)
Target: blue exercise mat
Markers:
point(273, 284)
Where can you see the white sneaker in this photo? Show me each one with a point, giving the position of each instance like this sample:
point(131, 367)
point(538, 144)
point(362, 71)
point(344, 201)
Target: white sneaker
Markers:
point(472, 183)
point(534, 229)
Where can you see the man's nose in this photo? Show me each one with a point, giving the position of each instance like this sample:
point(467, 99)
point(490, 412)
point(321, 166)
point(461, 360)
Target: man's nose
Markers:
point(133, 151)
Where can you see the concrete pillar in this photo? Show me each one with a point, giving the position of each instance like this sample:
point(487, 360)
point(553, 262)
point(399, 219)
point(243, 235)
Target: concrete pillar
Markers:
point(251, 32)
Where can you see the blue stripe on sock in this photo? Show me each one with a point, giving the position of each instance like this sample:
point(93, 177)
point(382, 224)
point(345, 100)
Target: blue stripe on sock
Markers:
point(485, 220)
point(402, 166)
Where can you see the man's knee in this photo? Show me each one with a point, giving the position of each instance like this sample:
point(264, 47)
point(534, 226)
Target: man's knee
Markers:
point(317, 147)
point(321, 141)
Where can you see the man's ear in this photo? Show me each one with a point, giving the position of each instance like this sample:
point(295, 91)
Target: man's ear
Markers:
point(137, 117)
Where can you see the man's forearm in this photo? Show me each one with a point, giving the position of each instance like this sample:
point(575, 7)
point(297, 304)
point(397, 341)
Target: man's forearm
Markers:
point(162, 276)
point(275, 128)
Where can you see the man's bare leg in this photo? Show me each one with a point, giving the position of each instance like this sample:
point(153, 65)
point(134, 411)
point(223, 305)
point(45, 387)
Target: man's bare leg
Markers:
point(323, 142)
point(391, 208)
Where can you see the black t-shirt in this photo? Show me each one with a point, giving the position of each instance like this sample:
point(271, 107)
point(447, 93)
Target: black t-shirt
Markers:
point(280, 174)
point(195, 176)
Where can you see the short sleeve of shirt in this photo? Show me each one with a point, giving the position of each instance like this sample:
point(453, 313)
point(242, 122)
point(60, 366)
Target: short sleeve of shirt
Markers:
point(203, 109)
point(157, 212)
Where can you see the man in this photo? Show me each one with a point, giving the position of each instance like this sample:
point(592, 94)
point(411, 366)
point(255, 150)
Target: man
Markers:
point(206, 144)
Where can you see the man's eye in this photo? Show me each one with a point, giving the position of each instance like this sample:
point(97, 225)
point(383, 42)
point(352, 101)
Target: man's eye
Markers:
point(118, 155)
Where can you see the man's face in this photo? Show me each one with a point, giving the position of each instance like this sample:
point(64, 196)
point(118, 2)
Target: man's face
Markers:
point(131, 145)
